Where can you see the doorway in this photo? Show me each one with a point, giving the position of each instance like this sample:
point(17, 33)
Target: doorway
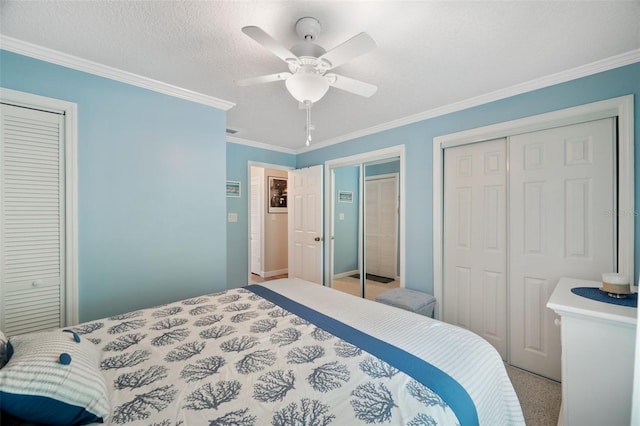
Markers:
point(268, 226)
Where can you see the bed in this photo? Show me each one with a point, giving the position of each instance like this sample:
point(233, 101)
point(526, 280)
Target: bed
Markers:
point(286, 352)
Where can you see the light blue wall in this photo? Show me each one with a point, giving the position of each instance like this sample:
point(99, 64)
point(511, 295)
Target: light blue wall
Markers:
point(152, 168)
point(151, 194)
point(382, 168)
point(346, 230)
point(237, 157)
point(418, 139)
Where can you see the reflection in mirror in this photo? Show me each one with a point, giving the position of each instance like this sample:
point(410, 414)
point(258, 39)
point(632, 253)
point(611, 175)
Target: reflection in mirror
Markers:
point(346, 230)
point(381, 227)
point(366, 227)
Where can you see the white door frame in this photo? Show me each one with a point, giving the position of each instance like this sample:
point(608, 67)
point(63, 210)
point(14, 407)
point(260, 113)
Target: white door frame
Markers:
point(250, 164)
point(621, 107)
point(70, 112)
point(258, 204)
point(366, 157)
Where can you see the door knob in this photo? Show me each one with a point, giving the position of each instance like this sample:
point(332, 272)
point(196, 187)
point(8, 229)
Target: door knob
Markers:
point(317, 239)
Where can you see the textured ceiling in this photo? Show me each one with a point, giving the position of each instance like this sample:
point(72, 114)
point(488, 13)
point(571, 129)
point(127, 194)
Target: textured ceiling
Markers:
point(430, 54)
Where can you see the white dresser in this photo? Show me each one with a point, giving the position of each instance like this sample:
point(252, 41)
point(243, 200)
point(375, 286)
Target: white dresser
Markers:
point(598, 345)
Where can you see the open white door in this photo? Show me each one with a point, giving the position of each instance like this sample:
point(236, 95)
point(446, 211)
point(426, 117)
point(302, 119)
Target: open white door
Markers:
point(256, 209)
point(305, 224)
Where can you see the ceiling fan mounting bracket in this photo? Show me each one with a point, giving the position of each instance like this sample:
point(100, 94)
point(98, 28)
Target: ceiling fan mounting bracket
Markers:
point(308, 28)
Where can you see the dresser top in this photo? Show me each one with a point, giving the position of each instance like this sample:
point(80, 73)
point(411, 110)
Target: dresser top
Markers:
point(564, 302)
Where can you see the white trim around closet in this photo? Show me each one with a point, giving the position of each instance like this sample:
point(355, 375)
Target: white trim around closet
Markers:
point(621, 107)
point(70, 112)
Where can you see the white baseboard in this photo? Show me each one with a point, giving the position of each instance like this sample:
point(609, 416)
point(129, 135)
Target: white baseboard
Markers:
point(346, 274)
point(561, 416)
point(269, 274)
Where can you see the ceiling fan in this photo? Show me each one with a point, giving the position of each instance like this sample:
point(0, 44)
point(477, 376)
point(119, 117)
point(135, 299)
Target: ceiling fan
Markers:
point(308, 80)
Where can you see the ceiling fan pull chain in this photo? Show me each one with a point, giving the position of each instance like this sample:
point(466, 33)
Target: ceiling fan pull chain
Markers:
point(308, 104)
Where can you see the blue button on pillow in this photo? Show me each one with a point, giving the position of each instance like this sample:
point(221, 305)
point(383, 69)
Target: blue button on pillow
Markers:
point(53, 378)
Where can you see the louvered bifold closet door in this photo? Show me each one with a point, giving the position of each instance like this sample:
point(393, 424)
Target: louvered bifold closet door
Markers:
point(32, 220)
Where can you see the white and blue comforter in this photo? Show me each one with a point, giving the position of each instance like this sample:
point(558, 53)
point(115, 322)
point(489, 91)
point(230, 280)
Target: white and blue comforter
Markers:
point(294, 353)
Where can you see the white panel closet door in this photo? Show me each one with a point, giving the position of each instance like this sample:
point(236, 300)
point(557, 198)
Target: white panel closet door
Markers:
point(562, 225)
point(381, 226)
point(475, 243)
point(32, 220)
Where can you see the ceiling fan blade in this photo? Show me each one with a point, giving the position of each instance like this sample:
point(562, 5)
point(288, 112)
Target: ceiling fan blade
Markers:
point(269, 43)
point(351, 85)
point(263, 79)
point(350, 49)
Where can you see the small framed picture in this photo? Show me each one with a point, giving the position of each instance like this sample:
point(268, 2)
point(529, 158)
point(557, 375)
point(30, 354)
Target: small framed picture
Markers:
point(345, 196)
point(277, 193)
point(233, 188)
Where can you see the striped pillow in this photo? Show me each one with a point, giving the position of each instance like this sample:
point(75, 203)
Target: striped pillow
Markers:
point(53, 378)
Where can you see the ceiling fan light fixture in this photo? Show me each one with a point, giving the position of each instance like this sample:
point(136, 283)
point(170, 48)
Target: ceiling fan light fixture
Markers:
point(308, 64)
point(307, 86)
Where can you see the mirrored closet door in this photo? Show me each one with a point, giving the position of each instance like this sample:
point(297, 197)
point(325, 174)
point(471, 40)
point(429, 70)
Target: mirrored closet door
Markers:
point(365, 249)
point(346, 234)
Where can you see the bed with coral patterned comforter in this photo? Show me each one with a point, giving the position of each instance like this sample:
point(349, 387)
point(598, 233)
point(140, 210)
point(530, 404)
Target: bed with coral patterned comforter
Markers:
point(289, 352)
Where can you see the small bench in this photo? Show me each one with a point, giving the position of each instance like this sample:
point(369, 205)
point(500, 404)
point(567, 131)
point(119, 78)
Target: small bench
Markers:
point(410, 300)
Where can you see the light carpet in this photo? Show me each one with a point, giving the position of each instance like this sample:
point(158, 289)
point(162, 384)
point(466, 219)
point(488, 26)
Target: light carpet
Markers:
point(539, 397)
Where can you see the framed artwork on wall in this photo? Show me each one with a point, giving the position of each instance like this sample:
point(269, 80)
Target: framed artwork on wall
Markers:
point(277, 195)
point(345, 196)
point(233, 188)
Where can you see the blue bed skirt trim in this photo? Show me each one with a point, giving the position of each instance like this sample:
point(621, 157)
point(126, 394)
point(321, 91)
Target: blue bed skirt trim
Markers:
point(435, 379)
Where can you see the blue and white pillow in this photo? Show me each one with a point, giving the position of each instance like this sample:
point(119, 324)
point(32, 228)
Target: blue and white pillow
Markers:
point(3, 349)
point(53, 378)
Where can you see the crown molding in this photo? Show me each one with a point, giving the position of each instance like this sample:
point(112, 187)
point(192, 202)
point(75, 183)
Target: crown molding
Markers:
point(49, 55)
point(607, 64)
point(59, 58)
point(254, 144)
